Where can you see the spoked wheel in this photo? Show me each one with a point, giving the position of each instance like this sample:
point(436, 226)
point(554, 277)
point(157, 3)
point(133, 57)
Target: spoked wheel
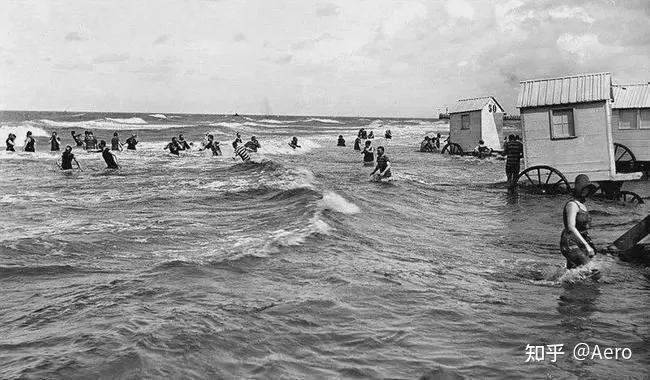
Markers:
point(624, 159)
point(621, 196)
point(630, 197)
point(453, 149)
point(543, 180)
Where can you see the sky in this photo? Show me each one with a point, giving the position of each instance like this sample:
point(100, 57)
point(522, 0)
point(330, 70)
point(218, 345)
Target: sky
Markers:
point(406, 58)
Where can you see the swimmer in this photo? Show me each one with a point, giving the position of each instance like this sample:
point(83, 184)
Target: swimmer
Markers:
point(437, 141)
point(173, 147)
point(514, 152)
point(237, 141)
point(131, 142)
point(55, 143)
point(29, 143)
point(383, 165)
point(183, 143)
point(242, 152)
point(11, 143)
point(253, 145)
point(368, 155)
point(66, 159)
point(110, 159)
point(101, 146)
point(77, 138)
point(388, 135)
point(357, 143)
point(341, 141)
point(213, 146)
point(90, 141)
point(424, 145)
point(575, 242)
point(294, 143)
point(115, 142)
point(371, 135)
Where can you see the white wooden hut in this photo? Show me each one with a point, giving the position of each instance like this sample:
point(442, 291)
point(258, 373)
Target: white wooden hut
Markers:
point(471, 120)
point(566, 124)
point(631, 118)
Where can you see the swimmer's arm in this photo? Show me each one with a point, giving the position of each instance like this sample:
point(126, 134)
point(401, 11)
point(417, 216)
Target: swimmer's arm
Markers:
point(572, 212)
point(376, 168)
point(77, 162)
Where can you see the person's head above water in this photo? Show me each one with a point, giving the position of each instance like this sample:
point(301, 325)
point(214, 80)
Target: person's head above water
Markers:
point(180, 137)
point(511, 138)
point(481, 142)
point(340, 136)
point(210, 137)
point(53, 134)
point(68, 148)
point(368, 143)
point(427, 138)
point(29, 133)
point(115, 134)
point(174, 139)
point(380, 150)
point(253, 138)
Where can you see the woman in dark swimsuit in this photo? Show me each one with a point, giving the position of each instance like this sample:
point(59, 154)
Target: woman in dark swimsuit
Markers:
point(368, 155)
point(29, 143)
point(575, 242)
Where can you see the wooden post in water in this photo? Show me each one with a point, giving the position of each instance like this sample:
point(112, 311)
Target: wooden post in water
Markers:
point(634, 235)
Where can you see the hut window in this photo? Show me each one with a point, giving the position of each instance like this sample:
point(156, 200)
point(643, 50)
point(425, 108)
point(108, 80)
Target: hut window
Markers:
point(464, 121)
point(562, 124)
point(645, 119)
point(626, 119)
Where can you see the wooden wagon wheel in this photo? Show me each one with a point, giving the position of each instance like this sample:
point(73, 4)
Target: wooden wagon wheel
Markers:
point(543, 179)
point(630, 197)
point(453, 149)
point(624, 159)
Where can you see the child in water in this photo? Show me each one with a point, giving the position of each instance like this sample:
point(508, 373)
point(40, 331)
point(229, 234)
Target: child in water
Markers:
point(341, 141)
point(368, 155)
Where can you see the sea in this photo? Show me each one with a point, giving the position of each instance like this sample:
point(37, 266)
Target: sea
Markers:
point(297, 265)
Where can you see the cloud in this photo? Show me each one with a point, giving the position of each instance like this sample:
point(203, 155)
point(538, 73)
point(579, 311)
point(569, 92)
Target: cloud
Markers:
point(112, 58)
point(73, 66)
point(239, 37)
point(566, 12)
point(311, 42)
point(459, 9)
point(73, 36)
point(284, 59)
point(326, 10)
point(162, 39)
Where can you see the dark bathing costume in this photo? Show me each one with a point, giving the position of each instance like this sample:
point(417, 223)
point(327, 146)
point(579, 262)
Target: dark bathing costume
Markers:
point(110, 160)
point(55, 144)
point(29, 147)
point(173, 148)
point(115, 143)
point(131, 142)
point(10, 145)
point(570, 246)
point(66, 160)
point(368, 155)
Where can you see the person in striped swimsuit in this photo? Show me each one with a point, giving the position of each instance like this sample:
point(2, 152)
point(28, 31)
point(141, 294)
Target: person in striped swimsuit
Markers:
point(242, 152)
point(514, 151)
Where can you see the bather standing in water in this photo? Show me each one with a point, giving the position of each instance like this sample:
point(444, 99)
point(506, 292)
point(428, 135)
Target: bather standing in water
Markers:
point(131, 142)
point(110, 159)
point(173, 147)
point(11, 143)
point(357, 143)
point(66, 159)
point(575, 242)
point(253, 145)
point(383, 165)
point(29, 143)
point(213, 146)
point(183, 143)
point(115, 142)
point(242, 152)
point(55, 143)
point(341, 141)
point(77, 138)
point(368, 155)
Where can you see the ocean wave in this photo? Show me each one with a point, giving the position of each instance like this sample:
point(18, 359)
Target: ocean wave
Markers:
point(282, 147)
point(335, 202)
point(326, 121)
point(20, 131)
point(130, 120)
point(158, 116)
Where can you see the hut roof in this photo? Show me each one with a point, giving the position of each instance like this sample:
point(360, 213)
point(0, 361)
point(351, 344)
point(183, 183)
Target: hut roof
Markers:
point(472, 104)
point(582, 88)
point(631, 96)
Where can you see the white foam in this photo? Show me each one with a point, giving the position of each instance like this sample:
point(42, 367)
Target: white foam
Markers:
point(130, 120)
point(158, 116)
point(281, 147)
point(335, 202)
point(326, 121)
